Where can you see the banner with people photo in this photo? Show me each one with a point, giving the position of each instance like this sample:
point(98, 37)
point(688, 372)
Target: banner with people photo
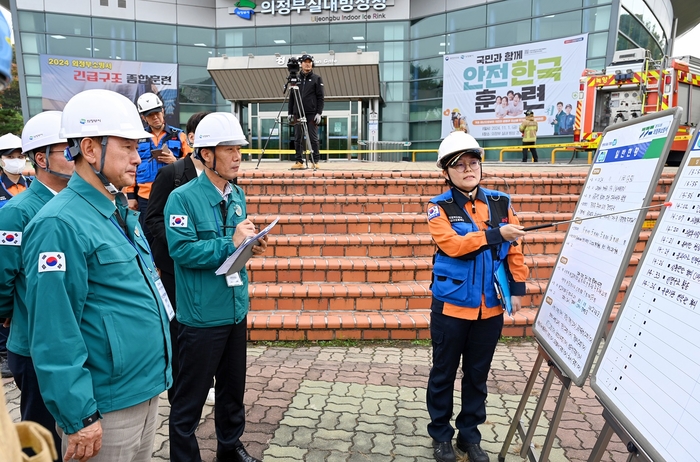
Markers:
point(64, 76)
point(487, 92)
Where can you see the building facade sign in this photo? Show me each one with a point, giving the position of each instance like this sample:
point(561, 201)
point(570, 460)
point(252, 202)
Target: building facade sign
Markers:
point(317, 11)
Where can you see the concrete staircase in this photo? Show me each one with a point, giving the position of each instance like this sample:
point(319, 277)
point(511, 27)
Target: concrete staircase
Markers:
point(351, 256)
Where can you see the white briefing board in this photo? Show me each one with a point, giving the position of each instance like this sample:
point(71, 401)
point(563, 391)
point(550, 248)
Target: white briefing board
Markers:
point(595, 253)
point(648, 375)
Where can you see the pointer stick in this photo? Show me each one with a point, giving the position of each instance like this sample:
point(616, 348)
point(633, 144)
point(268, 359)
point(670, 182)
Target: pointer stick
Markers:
point(547, 225)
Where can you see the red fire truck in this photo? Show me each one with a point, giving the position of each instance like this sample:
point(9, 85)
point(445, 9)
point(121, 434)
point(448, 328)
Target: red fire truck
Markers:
point(634, 85)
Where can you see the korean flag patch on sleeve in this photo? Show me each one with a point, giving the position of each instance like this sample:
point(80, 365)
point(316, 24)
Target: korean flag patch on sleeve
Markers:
point(433, 212)
point(178, 221)
point(52, 261)
point(10, 238)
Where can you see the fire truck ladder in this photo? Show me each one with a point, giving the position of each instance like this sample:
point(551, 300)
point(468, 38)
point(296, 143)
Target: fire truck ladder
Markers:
point(645, 86)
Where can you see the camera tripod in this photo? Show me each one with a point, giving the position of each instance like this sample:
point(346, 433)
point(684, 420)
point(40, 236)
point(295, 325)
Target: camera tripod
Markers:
point(291, 85)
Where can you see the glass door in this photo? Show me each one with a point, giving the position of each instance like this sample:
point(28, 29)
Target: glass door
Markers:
point(270, 135)
point(338, 136)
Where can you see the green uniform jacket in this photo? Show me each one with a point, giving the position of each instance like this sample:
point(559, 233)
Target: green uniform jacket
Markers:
point(14, 217)
point(98, 330)
point(199, 244)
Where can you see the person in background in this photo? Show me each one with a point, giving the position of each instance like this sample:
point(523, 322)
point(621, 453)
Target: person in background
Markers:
point(474, 229)
point(43, 145)
point(515, 107)
point(168, 178)
point(98, 313)
point(502, 107)
point(312, 98)
point(529, 130)
point(164, 145)
point(14, 162)
point(12, 182)
point(207, 222)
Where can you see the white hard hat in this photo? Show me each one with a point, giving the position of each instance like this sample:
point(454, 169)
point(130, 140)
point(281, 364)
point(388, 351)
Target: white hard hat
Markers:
point(9, 143)
point(457, 142)
point(101, 113)
point(42, 130)
point(219, 128)
point(148, 103)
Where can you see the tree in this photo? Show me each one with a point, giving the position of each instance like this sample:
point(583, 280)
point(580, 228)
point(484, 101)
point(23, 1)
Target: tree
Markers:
point(11, 120)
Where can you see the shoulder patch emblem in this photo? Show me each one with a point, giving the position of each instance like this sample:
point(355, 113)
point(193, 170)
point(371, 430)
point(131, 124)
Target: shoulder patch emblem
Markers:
point(52, 261)
point(178, 221)
point(10, 238)
point(433, 212)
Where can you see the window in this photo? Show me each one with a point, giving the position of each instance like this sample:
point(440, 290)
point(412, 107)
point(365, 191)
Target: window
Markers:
point(468, 40)
point(426, 27)
point(121, 3)
point(156, 52)
point(34, 86)
point(509, 10)
point(197, 94)
point(423, 111)
point(390, 51)
point(597, 44)
point(239, 37)
point(466, 19)
point(194, 75)
point(395, 111)
point(349, 32)
point(114, 29)
point(104, 2)
point(428, 47)
point(596, 19)
point(508, 34)
point(395, 91)
point(196, 36)
point(32, 65)
point(311, 35)
point(541, 7)
point(197, 56)
point(393, 131)
point(33, 43)
point(152, 32)
point(114, 49)
point(69, 46)
point(31, 21)
point(556, 25)
point(426, 130)
point(392, 71)
point(61, 24)
point(381, 31)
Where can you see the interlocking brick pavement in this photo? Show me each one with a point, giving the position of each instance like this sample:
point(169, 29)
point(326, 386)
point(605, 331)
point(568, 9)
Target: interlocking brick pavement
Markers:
point(353, 404)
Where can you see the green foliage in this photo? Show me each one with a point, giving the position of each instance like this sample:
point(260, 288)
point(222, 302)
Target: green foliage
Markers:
point(11, 120)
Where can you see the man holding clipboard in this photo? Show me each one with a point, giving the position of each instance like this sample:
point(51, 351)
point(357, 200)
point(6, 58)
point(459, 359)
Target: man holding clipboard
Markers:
point(205, 223)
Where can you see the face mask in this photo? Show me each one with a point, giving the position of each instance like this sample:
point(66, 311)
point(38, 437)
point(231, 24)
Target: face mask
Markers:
point(14, 166)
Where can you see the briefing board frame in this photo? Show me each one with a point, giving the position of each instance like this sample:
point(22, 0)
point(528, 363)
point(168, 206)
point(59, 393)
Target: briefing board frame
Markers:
point(579, 378)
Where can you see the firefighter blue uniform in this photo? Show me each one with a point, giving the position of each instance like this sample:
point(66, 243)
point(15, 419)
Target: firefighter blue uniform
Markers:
point(466, 312)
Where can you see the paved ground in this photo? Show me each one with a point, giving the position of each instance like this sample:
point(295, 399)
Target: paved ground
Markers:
point(354, 404)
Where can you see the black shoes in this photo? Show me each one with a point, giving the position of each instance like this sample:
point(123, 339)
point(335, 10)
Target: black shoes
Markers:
point(237, 455)
point(443, 451)
point(473, 451)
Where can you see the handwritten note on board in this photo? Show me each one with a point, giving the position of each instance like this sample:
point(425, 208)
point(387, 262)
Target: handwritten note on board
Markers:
point(649, 373)
point(595, 253)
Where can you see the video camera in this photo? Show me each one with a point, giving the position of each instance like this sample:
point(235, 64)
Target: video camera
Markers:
point(293, 66)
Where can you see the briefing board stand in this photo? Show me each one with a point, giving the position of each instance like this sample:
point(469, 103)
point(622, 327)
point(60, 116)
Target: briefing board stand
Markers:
point(648, 373)
point(592, 263)
point(613, 426)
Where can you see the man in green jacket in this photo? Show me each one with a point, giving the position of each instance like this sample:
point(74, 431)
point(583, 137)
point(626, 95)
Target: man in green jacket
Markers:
point(98, 319)
point(205, 223)
point(43, 145)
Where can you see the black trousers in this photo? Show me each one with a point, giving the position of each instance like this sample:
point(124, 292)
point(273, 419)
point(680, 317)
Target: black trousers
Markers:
point(168, 281)
point(532, 150)
point(300, 143)
point(474, 342)
point(143, 205)
point(31, 404)
point(205, 353)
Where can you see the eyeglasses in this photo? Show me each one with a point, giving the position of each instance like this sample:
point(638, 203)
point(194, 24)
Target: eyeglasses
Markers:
point(461, 166)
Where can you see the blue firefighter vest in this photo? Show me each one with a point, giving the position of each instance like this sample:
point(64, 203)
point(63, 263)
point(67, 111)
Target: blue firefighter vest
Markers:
point(461, 281)
point(146, 172)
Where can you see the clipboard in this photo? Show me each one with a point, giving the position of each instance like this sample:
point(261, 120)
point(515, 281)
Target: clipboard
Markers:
point(500, 280)
point(237, 260)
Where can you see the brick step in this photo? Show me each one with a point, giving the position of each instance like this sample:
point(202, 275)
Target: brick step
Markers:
point(386, 223)
point(337, 270)
point(367, 270)
point(376, 204)
point(371, 311)
point(419, 183)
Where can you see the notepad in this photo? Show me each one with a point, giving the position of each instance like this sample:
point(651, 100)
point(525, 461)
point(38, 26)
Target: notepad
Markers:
point(237, 260)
